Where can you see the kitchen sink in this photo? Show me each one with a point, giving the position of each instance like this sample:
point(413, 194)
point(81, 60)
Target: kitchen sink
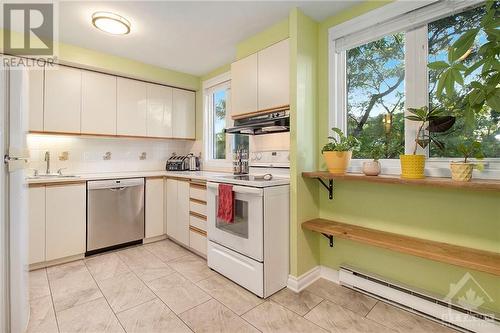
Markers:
point(51, 176)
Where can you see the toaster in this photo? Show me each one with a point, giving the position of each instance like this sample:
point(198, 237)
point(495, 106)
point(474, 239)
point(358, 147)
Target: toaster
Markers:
point(178, 163)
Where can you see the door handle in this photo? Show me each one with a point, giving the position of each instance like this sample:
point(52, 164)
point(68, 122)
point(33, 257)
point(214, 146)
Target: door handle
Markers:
point(115, 189)
point(15, 163)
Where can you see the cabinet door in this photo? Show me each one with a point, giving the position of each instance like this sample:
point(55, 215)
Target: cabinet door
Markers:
point(184, 114)
point(36, 218)
point(244, 85)
point(98, 103)
point(159, 111)
point(154, 208)
point(274, 76)
point(63, 95)
point(171, 198)
point(65, 230)
point(183, 212)
point(132, 107)
point(35, 76)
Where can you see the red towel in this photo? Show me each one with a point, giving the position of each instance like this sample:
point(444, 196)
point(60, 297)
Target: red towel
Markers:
point(225, 209)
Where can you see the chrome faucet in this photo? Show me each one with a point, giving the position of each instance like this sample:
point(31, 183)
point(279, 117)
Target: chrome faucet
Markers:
point(47, 159)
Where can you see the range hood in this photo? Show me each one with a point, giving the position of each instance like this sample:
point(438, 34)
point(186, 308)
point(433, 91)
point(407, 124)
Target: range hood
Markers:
point(275, 122)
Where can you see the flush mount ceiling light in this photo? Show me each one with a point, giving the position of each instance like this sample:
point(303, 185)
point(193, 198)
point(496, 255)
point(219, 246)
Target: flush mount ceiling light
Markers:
point(111, 23)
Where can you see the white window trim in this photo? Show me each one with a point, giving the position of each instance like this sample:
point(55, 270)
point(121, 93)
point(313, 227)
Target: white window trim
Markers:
point(207, 87)
point(390, 19)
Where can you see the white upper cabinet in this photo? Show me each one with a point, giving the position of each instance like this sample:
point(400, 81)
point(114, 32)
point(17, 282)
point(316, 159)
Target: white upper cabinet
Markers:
point(274, 76)
point(132, 107)
point(63, 91)
point(98, 103)
point(159, 111)
point(244, 85)
point(35, 77)
point(184, 114)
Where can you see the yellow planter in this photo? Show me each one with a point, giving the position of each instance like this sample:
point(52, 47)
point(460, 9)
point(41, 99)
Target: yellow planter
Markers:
point(337, 161)
point(412, 166)
point(461, 172)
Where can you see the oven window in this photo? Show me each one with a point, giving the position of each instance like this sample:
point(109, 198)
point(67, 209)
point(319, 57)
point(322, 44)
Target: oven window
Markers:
point(239, 227)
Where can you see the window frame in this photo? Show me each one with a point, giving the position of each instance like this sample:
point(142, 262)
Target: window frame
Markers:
point(209, 87)
point(411, 18)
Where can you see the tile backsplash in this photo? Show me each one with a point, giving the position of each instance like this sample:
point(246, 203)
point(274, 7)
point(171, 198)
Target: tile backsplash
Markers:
point(87, 154)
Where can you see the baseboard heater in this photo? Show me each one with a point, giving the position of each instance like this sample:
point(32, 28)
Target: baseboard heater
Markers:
point(451, 315)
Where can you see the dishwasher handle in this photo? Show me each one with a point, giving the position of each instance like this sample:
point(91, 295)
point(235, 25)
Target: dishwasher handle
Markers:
point(116, 189)
point(115, 184)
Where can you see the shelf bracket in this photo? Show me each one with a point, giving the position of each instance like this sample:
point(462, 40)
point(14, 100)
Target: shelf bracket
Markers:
point(330, 237)
point(328, 187)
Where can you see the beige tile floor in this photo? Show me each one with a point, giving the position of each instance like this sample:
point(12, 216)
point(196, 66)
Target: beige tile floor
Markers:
point(162, 287)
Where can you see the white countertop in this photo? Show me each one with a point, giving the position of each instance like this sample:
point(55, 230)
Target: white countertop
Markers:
point(197, 175)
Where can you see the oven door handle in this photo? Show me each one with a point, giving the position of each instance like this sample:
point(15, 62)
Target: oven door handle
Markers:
point(239, 189)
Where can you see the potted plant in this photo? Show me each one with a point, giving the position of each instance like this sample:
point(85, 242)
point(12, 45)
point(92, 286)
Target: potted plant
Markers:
point(373, 168)
point(413, 165)
point(338, 151)
point(462, 171)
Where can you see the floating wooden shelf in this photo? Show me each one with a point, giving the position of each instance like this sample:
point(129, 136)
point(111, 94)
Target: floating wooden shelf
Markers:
point(479, 260)
point(474, 184)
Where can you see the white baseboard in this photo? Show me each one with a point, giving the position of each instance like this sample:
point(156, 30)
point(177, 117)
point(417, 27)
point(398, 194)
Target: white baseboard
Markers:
point(297, 284)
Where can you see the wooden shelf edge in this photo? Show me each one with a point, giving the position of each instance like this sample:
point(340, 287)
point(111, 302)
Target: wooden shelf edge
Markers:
point(109, 135)
point(476, 259)
point(474, 184)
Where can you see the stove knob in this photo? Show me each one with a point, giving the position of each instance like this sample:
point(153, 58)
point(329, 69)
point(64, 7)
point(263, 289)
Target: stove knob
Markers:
point(258, 156)
point(253, 157)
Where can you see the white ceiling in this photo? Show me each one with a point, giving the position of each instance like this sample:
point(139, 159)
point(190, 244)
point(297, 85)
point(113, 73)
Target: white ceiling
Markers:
point(187, 36)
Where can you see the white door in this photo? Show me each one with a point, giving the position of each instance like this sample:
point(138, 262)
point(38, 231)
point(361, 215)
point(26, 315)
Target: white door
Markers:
point(244, 85)
point(66, 222)
point(155, 222)
point(132, 107)
point(171, 198)
point(17, 196)
point(184, 114)
point(182, 223)
point(245, 234)
point(274, 77)
point(98, 103)
point(63, 99)
point(159, 111)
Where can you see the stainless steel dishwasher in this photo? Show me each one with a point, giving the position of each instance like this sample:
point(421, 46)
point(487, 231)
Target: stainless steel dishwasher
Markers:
point(115, 213)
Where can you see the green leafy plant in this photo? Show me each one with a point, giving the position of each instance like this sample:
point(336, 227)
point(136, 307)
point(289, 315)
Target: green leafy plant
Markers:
point(484, 89)
point(437, 123)
point(376, 152)
point(471, 149)
point(342, 143)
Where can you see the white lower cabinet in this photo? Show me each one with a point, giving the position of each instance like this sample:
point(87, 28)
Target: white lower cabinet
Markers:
point(177, 192)
point(155, 222)
point(65, 221)
point(198, 242)
point(36, 218)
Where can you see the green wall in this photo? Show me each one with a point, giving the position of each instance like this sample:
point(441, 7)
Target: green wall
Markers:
point(459, 217)
point(263, 39)
point(304, 251)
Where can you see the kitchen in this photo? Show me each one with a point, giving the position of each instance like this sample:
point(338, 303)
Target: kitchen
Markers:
point(178, 194)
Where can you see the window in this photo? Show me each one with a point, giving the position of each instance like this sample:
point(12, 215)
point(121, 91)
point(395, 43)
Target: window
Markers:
point(218, 145)
point(375, 95)
point(377, 72)
point(482, 126)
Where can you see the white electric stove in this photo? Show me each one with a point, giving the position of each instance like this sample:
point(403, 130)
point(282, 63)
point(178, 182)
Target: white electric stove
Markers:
point(253, 250)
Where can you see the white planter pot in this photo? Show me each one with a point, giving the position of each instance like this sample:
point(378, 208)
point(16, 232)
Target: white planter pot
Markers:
point(371, 168)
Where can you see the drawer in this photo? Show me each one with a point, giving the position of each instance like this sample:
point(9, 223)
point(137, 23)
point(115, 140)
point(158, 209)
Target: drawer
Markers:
point(198, 241)
point(198, 222)
point(198, 207)
point(198, 192)
point(244, 271)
